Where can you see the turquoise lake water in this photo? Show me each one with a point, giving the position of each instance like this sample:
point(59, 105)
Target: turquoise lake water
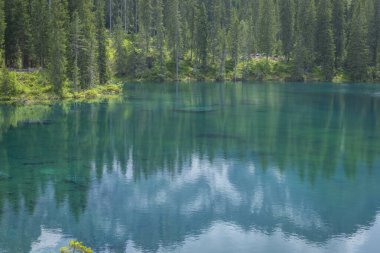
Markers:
point(197, 167)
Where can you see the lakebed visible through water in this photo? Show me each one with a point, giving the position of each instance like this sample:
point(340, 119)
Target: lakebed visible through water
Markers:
point(195, 168)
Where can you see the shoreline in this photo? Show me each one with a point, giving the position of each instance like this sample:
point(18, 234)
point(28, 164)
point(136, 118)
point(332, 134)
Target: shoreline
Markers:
point(114, 89)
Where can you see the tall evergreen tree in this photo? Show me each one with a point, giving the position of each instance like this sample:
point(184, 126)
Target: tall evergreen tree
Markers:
point(76, 43)
point(40, 31)
point(357, 50)
point(57, 44)
point(145, 22)
point(338, 21)
point(267, 29)
point(201, 35)
point(87, 53)
point(2, 28)
point(324, 39)
point(234, 41)
point(160, 32)
point(174, 32)
point(305, 38)
point(119, 42)
point(287, 26)
point(102, 42)
point(374, 34)
point(18, 34)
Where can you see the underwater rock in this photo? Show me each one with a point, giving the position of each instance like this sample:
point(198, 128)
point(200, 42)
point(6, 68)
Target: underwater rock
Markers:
point(38, 163)
point(35, 122)
point(4, 177)
point(200, 109)
point(75, 184)
point(218, 136)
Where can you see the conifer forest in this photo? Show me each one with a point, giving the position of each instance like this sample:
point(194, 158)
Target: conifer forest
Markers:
point(79, 44)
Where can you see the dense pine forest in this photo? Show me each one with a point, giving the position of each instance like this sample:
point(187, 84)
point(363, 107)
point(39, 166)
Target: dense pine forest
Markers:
point(78, 44)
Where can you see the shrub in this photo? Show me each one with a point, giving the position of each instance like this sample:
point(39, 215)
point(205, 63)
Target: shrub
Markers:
point(7, 83)
point(76, 247)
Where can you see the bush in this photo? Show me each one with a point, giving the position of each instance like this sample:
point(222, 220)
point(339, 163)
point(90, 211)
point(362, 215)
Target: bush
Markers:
point(76, 247)
point(8, 83)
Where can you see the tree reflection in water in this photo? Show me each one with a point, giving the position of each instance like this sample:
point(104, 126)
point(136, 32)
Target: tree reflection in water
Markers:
point(162, 166)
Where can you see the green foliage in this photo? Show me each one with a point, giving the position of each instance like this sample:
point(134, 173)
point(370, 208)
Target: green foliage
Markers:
point(201, 36)
point(338, 22)
point(264, 69)
point(57, 42)
point(104, 73)
point(287, 25)
point(152, 39)
point(76, 247)
point(7, 83)
point(122, 48)
point(325, 43)
point(2, 25)
point(267, 26)
point(357, 54)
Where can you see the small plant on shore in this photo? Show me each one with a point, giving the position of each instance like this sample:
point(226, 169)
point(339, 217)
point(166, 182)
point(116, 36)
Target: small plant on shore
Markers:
point(76, 247)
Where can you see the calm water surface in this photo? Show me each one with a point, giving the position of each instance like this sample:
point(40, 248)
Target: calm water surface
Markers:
point(195, 168)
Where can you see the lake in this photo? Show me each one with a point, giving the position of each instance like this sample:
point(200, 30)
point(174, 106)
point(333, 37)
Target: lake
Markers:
point(201, 167)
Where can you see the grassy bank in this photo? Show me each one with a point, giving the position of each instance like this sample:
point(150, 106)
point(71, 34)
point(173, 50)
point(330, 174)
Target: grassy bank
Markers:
point(33, 87)
point(261, 69)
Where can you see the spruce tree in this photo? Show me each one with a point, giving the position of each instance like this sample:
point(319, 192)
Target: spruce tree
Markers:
point(145, 23)
point(287, 26)
point(174, 32)
point(338, 21)
point(119, 37)
point(57, 45)
point(76, 43)
point(102, 43)
point(374, 34)
point(160, 33)
point(40, 31)
point(234, 41)
point(18, 46)
point(357, 50)
point(267, 29)
point(324, 39)
point(305, 37)
point(201, 36)
point(2, 29)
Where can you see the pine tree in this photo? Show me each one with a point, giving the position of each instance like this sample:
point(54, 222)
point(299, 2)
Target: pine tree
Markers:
point(324, 39)
point(357, 50)
point(174, 32)
point(87, 53)
point(2, 29)
point(287, 26)
point(57, 45)
point(374, 34)
point(338, 21)
point(267, 29)
point(18, 46)
point(305, 38)
point(160, 32)
point(222, 50)
point(40, 31)
point(121, 56)
point(102, 43)
point(76, 43)
point(145, 23)
point(201, 36)
point(234, 41)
